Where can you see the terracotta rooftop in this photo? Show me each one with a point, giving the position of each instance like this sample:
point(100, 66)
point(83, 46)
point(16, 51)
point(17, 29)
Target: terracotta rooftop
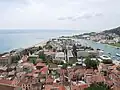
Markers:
point(94, 78)
point(52, 87)
point(26, 81)
point(89, 71)
point(6, 82)
point(80, 87)
point(6, 87)
point(41, 64)
point(29, 74)
point(44, 70)
point(49, 79)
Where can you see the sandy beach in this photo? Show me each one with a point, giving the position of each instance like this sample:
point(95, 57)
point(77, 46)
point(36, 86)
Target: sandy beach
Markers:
point(42, 43)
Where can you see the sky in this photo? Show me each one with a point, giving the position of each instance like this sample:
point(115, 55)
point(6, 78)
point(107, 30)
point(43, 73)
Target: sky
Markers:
point(91, 15)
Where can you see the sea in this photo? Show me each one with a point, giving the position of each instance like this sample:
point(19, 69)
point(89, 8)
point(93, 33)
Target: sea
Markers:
point(15, 39)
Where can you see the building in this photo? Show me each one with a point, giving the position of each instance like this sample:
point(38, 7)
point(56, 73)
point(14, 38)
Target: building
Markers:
point(70, 55)
point(29, 83)
point(8, 85)
point(54, 87)
point(117, 39)
point(86, 53)
point(60, 56)
point(50, 55)
point(5, 59)
point(33, 58)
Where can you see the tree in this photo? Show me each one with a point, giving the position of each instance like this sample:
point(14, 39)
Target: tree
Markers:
point(40, 48)
point(118, 68)
point(98, 86)
point(107, 61)
point(48, 42)
point(88, 62)
point(33, 61)
point(15, 58)
point(91, 63)
point(42, 57)
point(49, 47)
point(64, 66)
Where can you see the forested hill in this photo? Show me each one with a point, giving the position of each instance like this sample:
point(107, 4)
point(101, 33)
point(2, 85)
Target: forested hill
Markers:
point(115, 30)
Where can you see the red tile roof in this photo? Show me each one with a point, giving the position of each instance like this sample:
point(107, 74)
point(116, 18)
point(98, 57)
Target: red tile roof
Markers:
point(4, 81)
point(94, 78)
point(44, 70)
point(89, 71)
point(79, 87)
point(61, 88)
point(7, 87)
point(49, 87)
point(49, 79)
point(29, 74)
point(41, 64)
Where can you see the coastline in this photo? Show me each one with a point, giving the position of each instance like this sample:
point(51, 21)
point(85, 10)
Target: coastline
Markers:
point(41, 43)
point(115, 45)
point(112, 45)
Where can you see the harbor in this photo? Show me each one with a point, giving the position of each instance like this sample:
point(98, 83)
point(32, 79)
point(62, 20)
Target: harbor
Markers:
point(109, 50)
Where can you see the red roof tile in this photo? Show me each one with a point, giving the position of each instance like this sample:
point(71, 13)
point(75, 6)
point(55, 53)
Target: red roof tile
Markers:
point(7, 87)
point(41, 64)
point(4, 81)
point(44, 70)
point(49, 87)
point(94, 78)
point(79, 87)
point(49, 80)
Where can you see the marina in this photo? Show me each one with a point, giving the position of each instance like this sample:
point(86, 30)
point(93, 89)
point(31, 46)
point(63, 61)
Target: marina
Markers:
point(109, 50)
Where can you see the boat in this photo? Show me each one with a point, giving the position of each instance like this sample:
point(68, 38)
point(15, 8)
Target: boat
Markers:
point(113, 56)
point(117, 48)
point(117, 54)
point(109, 53)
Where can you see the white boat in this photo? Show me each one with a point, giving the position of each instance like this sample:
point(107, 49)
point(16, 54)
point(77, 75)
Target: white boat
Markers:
point(113, 56)
point(117, 54)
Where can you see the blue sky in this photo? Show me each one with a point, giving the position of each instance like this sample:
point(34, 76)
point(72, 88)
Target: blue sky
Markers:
point(92, 15)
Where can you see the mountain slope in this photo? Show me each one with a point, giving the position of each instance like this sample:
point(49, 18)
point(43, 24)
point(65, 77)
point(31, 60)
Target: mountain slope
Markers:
point(115, 30)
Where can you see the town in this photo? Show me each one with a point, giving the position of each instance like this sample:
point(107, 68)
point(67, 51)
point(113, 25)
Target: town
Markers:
point(102, 37)
point(59, 64)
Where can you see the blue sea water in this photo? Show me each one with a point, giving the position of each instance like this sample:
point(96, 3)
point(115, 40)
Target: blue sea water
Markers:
point(13, 39)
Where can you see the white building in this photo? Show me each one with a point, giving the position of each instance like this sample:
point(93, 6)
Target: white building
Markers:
point(117, 39)
point(60, 56)
point(87, 53)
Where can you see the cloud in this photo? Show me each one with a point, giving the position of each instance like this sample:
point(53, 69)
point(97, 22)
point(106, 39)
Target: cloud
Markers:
point(79, 16)
point(56, 14)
